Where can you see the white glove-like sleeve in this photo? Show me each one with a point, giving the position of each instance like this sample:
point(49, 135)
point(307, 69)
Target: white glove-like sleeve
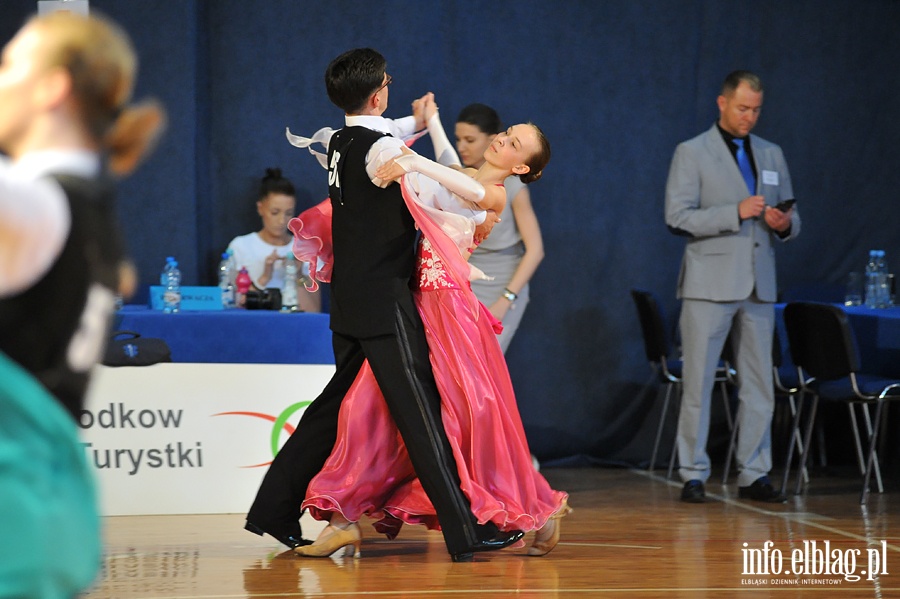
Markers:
point(443, 149)
point(456, 181)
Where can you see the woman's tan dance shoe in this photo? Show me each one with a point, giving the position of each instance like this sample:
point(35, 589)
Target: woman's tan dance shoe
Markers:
point(547, 536)
point(334, 539)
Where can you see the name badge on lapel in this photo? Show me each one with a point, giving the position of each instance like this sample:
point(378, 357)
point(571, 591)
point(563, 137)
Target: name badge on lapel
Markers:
point(770, 177)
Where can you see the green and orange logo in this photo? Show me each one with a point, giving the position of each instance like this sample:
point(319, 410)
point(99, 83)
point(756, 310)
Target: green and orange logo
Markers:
point(279, 424)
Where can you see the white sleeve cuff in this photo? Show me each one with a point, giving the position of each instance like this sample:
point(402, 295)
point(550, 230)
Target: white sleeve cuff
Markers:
point(404, 128)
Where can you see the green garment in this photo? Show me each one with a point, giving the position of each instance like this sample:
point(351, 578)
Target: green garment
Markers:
point(49, 525)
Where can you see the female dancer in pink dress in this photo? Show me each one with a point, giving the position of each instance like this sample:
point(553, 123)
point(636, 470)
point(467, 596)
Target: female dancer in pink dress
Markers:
point(368, 472)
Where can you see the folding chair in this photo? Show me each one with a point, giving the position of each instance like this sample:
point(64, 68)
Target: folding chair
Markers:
point(658, 349)
point(823, 346)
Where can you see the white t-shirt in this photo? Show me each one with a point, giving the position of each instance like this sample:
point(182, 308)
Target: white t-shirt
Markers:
point(251, 251)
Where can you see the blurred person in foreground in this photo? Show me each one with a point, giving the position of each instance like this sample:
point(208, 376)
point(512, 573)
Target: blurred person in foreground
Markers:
point(66, 128)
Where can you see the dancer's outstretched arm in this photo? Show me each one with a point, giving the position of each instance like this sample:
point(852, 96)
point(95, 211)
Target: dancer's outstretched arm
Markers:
point(458, 182)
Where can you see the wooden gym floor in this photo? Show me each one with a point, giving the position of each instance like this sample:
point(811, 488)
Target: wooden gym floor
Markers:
point(629, 536)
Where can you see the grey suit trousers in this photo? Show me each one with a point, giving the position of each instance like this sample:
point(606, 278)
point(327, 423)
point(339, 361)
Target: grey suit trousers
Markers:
point(704, 327)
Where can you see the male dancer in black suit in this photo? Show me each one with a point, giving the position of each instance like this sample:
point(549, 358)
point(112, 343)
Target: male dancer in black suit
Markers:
point(372, 317)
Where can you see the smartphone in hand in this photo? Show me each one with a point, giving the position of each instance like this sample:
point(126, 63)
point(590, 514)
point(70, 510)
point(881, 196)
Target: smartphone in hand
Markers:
point(785, 205)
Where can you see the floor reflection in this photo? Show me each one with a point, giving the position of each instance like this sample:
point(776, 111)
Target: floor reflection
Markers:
point(629, 534)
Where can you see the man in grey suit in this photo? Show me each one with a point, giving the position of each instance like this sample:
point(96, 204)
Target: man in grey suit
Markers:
point(722, 192)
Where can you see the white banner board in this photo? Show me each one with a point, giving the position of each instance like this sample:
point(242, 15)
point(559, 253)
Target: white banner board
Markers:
point(191, 438)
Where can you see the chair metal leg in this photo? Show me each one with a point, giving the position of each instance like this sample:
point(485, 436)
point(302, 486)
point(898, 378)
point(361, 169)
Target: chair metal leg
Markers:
point(873, 459)
point(806, 440)
point(674, 451)
point(672, 459)
point(726, 398)
point(870, 431)
point(731, 451)
point(795, 437)
point(854, 425)
point(732, 447)
point(659, 429)
point(860, 460)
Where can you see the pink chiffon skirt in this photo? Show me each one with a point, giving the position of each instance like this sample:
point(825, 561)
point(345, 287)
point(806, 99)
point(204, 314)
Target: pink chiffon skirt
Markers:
point(369, 472)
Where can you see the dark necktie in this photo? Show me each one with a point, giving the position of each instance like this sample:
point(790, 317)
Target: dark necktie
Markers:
point(744, 164)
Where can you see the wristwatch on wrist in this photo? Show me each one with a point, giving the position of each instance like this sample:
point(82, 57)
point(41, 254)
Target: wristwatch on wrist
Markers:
point(509, 295)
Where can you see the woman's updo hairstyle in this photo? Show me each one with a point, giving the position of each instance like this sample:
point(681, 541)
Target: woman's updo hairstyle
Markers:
point(539, 159)
point(273, 182)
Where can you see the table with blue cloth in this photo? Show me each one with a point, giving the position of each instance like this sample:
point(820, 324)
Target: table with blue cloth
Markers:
point(234, 336)
point(208, 422)
point(877, 334)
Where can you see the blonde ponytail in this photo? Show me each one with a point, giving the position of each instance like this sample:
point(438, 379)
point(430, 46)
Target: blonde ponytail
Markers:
point(101, 61)
point(133, 135)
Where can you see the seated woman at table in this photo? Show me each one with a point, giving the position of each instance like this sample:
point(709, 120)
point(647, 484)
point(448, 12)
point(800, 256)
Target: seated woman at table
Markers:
point(263, 252)
point(369, 471)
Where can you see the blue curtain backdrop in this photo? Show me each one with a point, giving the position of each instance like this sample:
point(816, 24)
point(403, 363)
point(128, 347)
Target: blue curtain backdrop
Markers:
point(616, 84)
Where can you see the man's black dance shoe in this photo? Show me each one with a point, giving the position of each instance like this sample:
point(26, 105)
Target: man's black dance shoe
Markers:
point(498, 541)
point(291, 540)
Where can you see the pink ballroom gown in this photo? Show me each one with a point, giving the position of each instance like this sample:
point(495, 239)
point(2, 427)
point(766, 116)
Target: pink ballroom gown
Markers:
point(369, 472)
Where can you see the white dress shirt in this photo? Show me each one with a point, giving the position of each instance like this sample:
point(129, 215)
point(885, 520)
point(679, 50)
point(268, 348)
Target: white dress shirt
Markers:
point(34, 213)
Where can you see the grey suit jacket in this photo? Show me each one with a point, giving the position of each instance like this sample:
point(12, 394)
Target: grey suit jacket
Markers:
point(725, 258)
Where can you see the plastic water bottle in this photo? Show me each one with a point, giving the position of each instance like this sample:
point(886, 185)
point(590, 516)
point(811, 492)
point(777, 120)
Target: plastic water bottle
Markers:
point(289, 293)
point(884, 291)
point(171, 280)
point(226, 281)
point(232, 265)
point(164, 275)
point(243, 283)
point(872, 280)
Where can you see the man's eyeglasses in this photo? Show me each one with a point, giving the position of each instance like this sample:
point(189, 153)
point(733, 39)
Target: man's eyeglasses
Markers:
point(386, 83)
